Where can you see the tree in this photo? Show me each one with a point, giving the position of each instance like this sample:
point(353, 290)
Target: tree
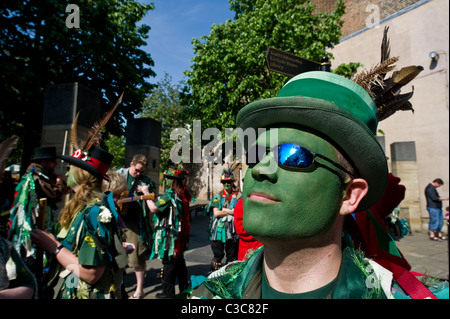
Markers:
point(40, 45)
point(115, 144)
point(229, 70)
point(163, 104)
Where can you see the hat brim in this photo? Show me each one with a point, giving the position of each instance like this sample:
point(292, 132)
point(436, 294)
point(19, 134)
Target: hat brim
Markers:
point(83, 165)
point(227, 180)
point(339, 125)
point(46, 158)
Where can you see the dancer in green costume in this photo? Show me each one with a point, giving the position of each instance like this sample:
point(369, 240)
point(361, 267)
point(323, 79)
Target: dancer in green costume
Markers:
point(223, 234)
point(172, 229)
point(39, 181)
point(88, 249)
point(320, 163)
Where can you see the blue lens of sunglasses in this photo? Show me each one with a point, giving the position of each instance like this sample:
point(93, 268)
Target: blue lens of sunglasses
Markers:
point(294, 156)
point(288, 155)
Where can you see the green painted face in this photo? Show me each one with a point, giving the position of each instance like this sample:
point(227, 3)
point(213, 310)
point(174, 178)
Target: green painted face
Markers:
point(280, 203)
point(227, 186)
point(169, 182)
point(71, 180)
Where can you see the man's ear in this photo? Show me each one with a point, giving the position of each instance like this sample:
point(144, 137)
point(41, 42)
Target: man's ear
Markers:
point(355, 192)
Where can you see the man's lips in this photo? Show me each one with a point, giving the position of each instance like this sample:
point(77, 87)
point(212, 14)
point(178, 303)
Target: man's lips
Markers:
point(262, 198)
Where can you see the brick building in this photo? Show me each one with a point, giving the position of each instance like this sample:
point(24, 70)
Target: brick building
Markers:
point(358, 12)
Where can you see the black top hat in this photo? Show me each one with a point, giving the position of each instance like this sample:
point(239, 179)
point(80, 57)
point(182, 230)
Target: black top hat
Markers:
point(43, 153)
point(96, 161)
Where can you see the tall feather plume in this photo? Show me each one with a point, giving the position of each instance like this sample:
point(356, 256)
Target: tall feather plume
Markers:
point(6, 148)
point(233, 165)
point(385, 46)
point(384, 91)
point(94, 135)
point(74, 133)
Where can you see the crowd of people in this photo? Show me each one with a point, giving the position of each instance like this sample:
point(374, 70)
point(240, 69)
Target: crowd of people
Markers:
point(86, 245)
point(313, 208)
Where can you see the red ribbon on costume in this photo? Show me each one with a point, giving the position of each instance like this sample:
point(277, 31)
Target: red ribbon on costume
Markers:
point(364, 234)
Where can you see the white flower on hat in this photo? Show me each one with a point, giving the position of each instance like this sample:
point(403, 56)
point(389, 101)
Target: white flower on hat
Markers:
point(105, 215)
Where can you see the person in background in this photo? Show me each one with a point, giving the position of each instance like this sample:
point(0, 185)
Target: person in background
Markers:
point(172, 230)
point(434, 208)
point(137, 219)
point(38, 182)
point(247, 244)
point(223, 235)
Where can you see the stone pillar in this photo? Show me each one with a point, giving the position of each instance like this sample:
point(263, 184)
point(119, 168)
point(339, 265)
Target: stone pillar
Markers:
point(404, 166)
point(62, 103)
point(143, 136)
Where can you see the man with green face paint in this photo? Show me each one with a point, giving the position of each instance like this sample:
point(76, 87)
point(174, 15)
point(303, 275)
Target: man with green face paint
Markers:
point(317, 163)
point(223, 234)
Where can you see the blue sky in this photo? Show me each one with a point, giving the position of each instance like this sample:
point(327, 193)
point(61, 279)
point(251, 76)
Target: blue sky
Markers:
point(174, 23)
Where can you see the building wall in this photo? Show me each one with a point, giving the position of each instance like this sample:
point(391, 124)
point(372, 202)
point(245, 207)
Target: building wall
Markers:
point(414, 32)
point(360, 12)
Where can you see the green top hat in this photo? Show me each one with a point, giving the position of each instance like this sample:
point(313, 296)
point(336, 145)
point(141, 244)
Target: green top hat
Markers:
point(335, 107)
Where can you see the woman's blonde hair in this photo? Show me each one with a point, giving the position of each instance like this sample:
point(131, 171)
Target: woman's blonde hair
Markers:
point(117, 183)
point(90, 189)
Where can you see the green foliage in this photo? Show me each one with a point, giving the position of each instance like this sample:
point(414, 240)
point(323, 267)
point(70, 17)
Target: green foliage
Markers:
point(229, 69)
point(347, 70)
point(116, 146)
point(38, 49)
point(163, 104)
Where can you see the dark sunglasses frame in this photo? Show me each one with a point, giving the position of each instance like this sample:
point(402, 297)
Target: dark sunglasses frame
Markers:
point(276, 151)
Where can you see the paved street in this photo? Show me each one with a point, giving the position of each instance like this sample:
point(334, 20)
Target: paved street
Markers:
point(425, 256)
point(198, 259)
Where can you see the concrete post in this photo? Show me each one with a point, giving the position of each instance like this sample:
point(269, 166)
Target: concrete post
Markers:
point(143, 136)
point(404, 166)
point(62, 103)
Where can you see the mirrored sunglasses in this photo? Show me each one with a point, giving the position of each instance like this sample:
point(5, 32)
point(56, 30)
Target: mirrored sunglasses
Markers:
point(289, 156)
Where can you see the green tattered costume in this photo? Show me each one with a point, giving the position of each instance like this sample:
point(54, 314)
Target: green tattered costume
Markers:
point(94, 237)
point(168, 225)
point(222, 228)
point(25, 212)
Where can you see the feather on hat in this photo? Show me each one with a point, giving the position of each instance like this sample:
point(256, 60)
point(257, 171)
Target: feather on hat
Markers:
point(89, 156)
point(384, 91)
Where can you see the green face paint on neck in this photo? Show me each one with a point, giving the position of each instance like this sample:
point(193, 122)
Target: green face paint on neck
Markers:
point(289, 204)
